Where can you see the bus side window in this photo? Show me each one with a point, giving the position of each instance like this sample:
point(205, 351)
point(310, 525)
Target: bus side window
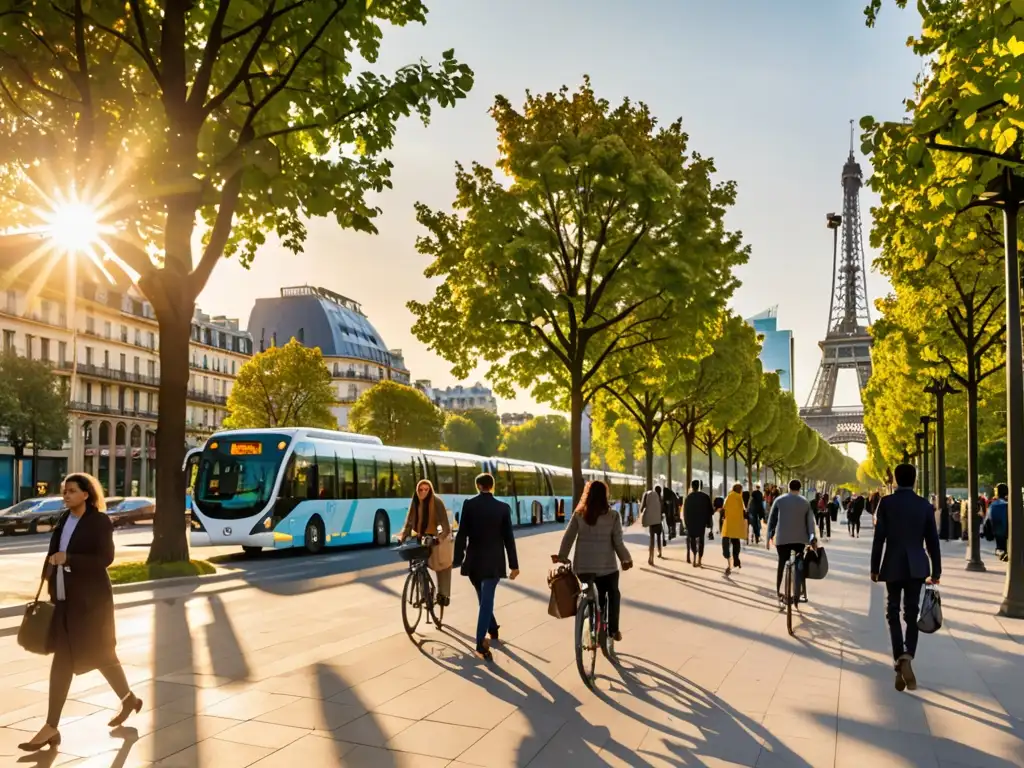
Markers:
point(366, 477)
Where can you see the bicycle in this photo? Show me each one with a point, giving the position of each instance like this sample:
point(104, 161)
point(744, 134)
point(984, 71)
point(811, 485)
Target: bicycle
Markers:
point(419, 591)
point(592, 630)
point(789, 574)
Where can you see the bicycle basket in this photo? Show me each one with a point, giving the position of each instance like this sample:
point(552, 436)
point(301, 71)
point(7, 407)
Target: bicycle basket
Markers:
point(413, 551)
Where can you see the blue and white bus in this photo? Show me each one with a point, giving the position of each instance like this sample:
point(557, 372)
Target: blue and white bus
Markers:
point(312, 488)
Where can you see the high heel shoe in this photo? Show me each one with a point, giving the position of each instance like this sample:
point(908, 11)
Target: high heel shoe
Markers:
point(131, 703)
point(35, 746)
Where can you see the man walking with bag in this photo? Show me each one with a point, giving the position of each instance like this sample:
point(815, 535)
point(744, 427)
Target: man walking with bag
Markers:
point(650, 518)
point(484, 539)
point(697, 515)
point(904, 529)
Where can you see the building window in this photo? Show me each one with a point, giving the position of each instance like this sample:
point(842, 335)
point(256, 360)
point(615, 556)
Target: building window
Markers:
point(8, 341)
point(152, 340)
point(136, 368)
point(353, 392)
point(62, 352)
point(232, 367)
point(124, 333)
point(88, 392)
point(149, 402)
point(106, 358)
point(28, 345)
point(105, 395)
point(151, 368)
point(135, 399)
point(124, 362)
point(12, 302)
point(90, 324)
point(138, 338)
point(44, 310)
point(206, 417)
point(88, 355)
point(44, 350)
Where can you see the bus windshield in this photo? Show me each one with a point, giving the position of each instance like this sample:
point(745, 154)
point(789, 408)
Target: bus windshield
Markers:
point(236, 475)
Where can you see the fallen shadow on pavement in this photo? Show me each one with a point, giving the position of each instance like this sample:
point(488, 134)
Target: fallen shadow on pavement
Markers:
point(678, 700)
point(552, 713)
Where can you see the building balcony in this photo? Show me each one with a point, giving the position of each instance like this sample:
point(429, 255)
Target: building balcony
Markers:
point(357, 375)
point(207, 397)
point(111, 410)
point(111, 374)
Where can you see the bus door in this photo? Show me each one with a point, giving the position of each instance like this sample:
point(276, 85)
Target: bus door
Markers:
point(191, 468)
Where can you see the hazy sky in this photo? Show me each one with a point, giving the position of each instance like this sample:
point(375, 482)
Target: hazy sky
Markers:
point(765, 88)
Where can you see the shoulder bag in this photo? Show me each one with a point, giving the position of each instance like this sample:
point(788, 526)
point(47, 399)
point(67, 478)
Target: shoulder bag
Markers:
point(815, 563)
point(565, 592)
point(930, 619)
point(34, 633)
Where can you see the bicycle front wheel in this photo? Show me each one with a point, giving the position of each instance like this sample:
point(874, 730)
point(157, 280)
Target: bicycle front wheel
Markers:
point(586, 642)
point(412, 602)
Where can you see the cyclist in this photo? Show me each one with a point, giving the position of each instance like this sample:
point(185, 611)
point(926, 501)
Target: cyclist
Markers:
point(597, 532)
point(791, 527)
point(426, 513)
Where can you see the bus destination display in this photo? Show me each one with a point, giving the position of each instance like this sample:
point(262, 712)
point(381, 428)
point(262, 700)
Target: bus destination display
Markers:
point(246, 449)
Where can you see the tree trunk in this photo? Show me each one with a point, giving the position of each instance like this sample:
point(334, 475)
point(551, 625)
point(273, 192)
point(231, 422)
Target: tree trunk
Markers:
point(649, 450)
point(974, 561)
point(576, 434)
point(750, 465)
point(35, 466)
point(725, 463)
point(19, 456)
point(668, 468)
point(689, 460)
point(711, 470)
point(170, 539)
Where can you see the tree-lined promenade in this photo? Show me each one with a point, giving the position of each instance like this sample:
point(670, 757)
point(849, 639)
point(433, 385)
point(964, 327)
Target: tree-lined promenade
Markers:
point(944, 171)
point(593, 267)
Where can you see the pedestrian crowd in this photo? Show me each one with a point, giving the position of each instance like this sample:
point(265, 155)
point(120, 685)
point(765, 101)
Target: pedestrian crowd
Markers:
point(77, 625)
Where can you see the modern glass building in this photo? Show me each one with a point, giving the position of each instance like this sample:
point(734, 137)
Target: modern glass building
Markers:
point(776, 347)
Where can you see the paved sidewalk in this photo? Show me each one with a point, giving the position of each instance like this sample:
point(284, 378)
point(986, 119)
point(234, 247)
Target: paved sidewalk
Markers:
point(319, 673)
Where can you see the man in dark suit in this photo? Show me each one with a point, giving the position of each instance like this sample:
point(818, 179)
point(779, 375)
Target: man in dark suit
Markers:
point(484, 538)
point(904, 528)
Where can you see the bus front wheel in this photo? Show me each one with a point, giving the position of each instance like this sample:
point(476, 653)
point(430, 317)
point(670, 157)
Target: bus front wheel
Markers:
point(381, 534)
point(314, 536)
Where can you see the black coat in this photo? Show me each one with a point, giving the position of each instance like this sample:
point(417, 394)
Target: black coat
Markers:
point(697, 512)
point(905, 527)
point(88, 611)
point(484, 538)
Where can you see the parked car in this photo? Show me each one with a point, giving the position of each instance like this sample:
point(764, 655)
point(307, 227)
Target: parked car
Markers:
point(128, 510)
point(38, 515)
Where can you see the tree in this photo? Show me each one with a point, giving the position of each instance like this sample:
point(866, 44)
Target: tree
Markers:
point(606, 227)
point(724, 381)
point(398, 415)
point(544, 439)
point(249, 117)
point(462, 435)
point(285, 386)
point(667, 440)
point(33, 411)
point(490, 430)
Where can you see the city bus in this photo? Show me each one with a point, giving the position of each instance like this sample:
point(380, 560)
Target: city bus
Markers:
point(312, 488)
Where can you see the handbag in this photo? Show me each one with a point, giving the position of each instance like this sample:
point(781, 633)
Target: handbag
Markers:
point(565, 592)
point(34, 632)
point(815, 563)
point(442, 555)
point(930, 619)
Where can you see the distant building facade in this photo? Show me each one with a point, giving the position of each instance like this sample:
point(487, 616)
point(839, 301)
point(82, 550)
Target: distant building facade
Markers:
point(510, 420)
point(777, 347)
point(353, 350)
point(459, 397)
point(104, 345)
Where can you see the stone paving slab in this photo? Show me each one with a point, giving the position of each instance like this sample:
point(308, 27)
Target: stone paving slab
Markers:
point(319, 672)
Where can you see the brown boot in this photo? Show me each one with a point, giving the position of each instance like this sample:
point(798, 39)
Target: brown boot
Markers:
point(906, 670)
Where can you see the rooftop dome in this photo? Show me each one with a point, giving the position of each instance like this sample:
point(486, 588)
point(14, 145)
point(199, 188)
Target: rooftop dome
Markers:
point(317, 317)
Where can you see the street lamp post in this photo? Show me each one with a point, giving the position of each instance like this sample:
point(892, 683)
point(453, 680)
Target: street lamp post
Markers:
point(940, 388)
point(1006, 192)
point(925, 421)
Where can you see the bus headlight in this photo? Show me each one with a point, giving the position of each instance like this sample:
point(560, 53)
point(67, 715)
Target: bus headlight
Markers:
point(268, 523)
point(264, 526)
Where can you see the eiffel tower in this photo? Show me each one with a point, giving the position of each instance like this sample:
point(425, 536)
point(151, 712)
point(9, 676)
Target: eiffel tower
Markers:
point(847, 343)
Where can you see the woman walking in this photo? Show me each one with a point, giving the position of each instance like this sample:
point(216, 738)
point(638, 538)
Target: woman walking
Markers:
point(650, 518)
point(734, 527)
point(597, 533)
point(82, 637)
point(426, 513)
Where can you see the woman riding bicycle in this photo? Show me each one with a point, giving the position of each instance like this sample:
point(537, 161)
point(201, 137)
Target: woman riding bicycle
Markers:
point(597, 531)
point(426, 513)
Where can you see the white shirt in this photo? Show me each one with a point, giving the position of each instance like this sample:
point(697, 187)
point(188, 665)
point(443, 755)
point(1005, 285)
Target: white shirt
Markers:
point(65, 538)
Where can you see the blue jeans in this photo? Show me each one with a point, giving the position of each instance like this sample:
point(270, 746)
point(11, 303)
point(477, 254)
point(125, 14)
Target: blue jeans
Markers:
point(485, 594)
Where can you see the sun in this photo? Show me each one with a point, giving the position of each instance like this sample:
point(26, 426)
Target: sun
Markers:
point(73, 226)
